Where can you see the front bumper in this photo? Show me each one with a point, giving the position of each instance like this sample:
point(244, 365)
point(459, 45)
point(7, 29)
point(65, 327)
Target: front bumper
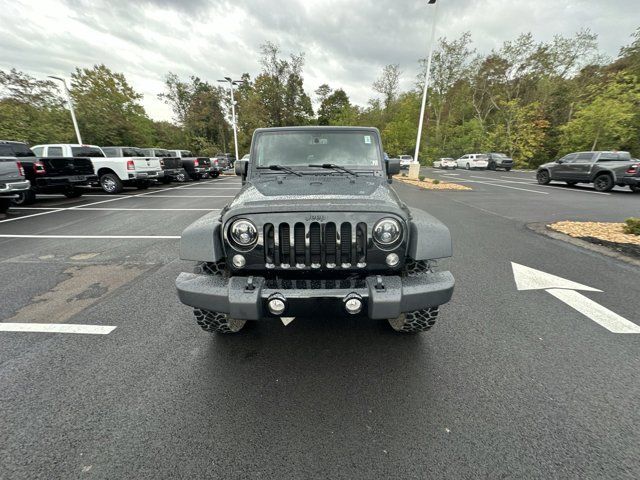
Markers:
point(14, 187)
point(246, 298)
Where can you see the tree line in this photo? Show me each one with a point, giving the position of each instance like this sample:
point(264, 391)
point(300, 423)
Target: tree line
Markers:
point(532, 100)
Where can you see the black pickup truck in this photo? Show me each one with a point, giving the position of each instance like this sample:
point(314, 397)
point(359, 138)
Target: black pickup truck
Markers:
point(196, 167)
point(171, 165)
point(48, 174)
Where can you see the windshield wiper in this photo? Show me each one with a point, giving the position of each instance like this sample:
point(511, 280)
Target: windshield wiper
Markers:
point(333, 166)
point(280, 168)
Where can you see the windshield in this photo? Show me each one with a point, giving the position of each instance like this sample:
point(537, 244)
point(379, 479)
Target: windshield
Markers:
point(500, 155)
point(86, 152)
point(186, 153)
point(353, 149)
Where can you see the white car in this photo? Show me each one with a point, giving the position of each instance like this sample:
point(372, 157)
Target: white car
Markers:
point(405, 161)
point(473, 160)
point(445, 163)
point(116, 167)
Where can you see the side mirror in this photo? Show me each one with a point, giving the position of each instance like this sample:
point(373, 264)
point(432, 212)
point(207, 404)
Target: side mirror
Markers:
point(560, 161)
point(393, 166)
point(240, 167)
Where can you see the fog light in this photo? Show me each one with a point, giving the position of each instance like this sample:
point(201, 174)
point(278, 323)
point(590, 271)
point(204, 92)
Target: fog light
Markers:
point(353, 304)
point(276, 306)
point(393, 259)
point(238, 261)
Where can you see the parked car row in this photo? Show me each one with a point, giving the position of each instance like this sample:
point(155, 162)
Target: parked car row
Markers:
point(488, 161)
point(68, 168)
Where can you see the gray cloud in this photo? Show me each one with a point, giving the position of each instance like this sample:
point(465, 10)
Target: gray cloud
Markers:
point(346, 42)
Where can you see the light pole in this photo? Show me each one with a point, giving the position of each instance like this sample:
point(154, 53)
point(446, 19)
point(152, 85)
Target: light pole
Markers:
point(73, 115)
point(427, 76)
point(233, 112)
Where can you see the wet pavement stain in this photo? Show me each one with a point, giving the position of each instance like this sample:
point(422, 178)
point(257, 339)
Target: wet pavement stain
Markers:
point(83, 287)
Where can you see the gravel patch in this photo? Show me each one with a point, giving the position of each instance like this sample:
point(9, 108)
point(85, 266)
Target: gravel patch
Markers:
point(607, 232)
point(428, 184)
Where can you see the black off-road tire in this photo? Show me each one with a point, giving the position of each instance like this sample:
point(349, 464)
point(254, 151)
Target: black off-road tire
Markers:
point(5, 203)
point(416, 321)
point(110, 183)
point(543, 177)
point(208, 320)
point(507, 169)
point(603, 183)
point(217, 322)
point(214, 174)
point(26, 197)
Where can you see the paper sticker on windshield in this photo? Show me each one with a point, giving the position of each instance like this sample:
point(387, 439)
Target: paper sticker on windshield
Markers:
point(367, 139)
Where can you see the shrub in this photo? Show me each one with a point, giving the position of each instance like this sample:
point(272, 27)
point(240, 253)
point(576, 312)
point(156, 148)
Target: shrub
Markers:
point(632, 226)
point(436, 181)
point(421, 178)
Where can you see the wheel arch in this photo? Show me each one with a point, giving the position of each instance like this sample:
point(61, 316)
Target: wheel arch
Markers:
point(429, 238)
point(105, 170)
point(202, 240)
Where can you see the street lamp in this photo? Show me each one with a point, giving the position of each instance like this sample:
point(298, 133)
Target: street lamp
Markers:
point(427, 76)
point(73, 115)
point(233, 112)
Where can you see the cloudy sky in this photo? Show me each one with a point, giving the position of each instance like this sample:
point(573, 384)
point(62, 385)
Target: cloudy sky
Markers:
point(346, 42)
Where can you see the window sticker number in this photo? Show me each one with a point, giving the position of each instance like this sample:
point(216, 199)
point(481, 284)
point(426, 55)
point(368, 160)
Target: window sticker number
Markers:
point(367, 139)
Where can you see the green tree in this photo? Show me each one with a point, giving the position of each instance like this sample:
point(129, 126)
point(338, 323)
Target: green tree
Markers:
point(108, 109)
point(32, 110)
point(332, 107)
point(387, 84)
point(609, 120)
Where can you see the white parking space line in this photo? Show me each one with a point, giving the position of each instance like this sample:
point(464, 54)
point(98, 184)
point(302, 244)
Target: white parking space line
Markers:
point(507, 186)
point(97, 237)
point(63, 209)
point(557, 187)
point(98, 209)
point(56, 328)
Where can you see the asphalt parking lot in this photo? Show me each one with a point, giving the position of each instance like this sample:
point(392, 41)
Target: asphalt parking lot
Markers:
point(509, 384)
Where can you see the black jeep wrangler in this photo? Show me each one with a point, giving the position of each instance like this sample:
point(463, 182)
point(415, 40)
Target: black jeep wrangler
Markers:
point(316, 227)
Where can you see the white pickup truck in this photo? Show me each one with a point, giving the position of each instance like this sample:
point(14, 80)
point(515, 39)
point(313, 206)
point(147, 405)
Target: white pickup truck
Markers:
point(116, 167)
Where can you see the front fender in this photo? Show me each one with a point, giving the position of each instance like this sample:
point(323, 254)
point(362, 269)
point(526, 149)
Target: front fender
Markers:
point(429, 238)
point(202, 240)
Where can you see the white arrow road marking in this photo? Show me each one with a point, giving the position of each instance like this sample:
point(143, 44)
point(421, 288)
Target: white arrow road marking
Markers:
point(287, 320)
point(596, 312)
point(56, 328)
point(531, 279)
point(527, 278)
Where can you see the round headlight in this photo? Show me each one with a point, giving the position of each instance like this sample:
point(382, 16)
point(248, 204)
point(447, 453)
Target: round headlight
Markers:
point(387, 231)
point(244, 233)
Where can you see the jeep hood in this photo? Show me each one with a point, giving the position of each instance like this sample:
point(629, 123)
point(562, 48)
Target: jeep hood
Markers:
point(315, 193)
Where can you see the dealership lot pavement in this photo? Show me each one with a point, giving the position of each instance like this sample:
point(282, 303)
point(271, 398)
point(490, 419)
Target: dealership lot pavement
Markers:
point(510, 383)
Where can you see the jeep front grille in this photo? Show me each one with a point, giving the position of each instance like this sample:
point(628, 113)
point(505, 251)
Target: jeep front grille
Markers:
point(316, 245)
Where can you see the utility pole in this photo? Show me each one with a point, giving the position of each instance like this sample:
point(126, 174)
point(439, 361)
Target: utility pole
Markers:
point(427, 77)
point(70, 103)
point(233, 112)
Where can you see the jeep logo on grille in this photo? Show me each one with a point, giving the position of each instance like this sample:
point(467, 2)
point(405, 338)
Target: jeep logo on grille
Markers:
point(316, 218)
